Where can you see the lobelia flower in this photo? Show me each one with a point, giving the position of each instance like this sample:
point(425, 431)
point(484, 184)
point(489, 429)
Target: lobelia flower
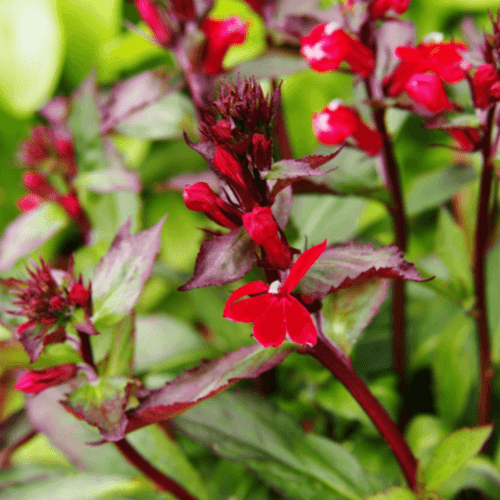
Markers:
point(431, 56)
point(220, 35)
point(380, 8)
point(327, 45)
point(428, 91)
point(264, 231)
point(336, 122)
point(36, 381)
point(486, 86)
point(275, 313)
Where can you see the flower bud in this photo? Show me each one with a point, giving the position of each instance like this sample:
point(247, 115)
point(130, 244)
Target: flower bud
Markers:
point(38, 184)
point(379, 8)
point(483, 82)
point(262, 151)
point(336, 122)
point(183, 8)
point(72, 206)
point(36, 381)
point(328, 45)
point(78, 295)
point(228, 166)
point(150, 14)
point(467, 138)
point(29, 202)
point(220, 35)
point(428, 91)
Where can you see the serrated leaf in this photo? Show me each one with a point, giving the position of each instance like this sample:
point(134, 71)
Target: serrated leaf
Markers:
point(86, 128)
point(431, 190)
point(348, 312)
point(396, 493)
point(203, 382)
point(223, 259)
point(347, 265)
point(164, 119)
point(253, 432)
point(102, 403)
point(29, 231)
point(120, 275)
point(454, 453)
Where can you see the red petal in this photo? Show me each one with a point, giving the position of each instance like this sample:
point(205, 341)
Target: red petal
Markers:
point(249, 310)
point(299, 325)
point(249, 289)
point(303, 264)
point(270, 329)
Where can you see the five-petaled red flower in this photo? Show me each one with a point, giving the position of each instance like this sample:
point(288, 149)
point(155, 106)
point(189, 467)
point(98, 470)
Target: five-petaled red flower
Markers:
point(274, 311)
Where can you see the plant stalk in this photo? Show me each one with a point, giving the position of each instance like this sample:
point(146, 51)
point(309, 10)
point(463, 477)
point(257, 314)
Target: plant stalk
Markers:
point(340, 365)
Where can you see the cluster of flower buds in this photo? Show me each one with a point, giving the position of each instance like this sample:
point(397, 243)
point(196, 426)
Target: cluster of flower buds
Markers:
point(48, 300)
point(168, 23)
point(237, 143)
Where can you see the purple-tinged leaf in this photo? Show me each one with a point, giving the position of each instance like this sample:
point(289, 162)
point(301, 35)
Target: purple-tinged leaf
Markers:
point(275, 63)
point(205, 149)
point(347, 265)
point(134, 94)
point(476, 41)
point(179, 182)
point(110, 180)
point(293, 27)
point(223, 259)
point(102, 404)
point(349, 311)
point(202, 382)
point(282, 207)
point(120, 275)
point(29, 231)
point(56, 111)
point(35, 337)
point(14, 430)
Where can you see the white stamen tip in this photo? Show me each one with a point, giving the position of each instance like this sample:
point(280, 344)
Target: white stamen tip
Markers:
point(274, 287)
point(331, 27)
point(335, 104)
point(434, 36)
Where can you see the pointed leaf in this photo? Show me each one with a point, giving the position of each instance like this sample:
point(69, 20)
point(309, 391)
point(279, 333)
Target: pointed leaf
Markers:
point(273, 64)
point(454, 453)
point(396, 493)
point(121, 355)
point(120, 275)
point(102, 403)
point(109, 180)
point(252, 432)
point(29, 231)
point(203, 382)
point(223, 259)
point(347, 265)
point(86, 128)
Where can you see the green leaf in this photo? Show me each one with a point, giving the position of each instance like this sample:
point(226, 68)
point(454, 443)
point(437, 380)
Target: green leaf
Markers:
point(492, 291)
point(102, 403)
point(454, 453)
point(452, 249)
point(86, 128)
point(396, 493)
point(433, 189)
point(121, 353)
point(253, 432)
point(348, 311)
point(164, 119)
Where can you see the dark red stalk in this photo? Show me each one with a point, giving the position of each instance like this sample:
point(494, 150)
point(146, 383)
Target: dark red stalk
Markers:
point(281, 133)
point(397, 212)
point(335, 360)
point(479, 270)
point(162, 482)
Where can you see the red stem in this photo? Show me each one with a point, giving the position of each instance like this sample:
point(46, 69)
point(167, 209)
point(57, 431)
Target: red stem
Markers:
point(479, 269)
point(162, 482)
point(281, 133)
point(335, 360)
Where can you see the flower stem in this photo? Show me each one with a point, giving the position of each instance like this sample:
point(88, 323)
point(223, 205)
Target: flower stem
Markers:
point(282, 140)
point(162, 482)
point(479, 269)
point(336, 361)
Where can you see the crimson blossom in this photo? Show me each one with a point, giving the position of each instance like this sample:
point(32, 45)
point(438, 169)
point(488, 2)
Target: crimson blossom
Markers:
point(275, 313)
point(36, 381)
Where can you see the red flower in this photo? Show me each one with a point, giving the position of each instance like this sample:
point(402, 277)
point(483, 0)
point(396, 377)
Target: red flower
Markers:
point(264, 231)
point(427, 90)
point(336, 122)
point(485, 82)
point(36, 381)
point(440, 58)
point(220, 35)
point(379, 8)
point(78, 294)
point(327, 46)
point(151, 15)
point(275, 312)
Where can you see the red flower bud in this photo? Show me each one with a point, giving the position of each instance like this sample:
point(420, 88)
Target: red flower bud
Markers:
point(38, 184)
point(467, 138)
point(184, 8)
point(29, 202)
point(263, 230)
point(220, 35)
point(483, 81)
point(79, 295)
point(72, 206)
point(36, 381)
point(57, 303)
point(379, 8)
point(336, 122)
point(150, 14)
point(262, 149)
point(228, 166)
point(428, 91)
point(327, 46)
